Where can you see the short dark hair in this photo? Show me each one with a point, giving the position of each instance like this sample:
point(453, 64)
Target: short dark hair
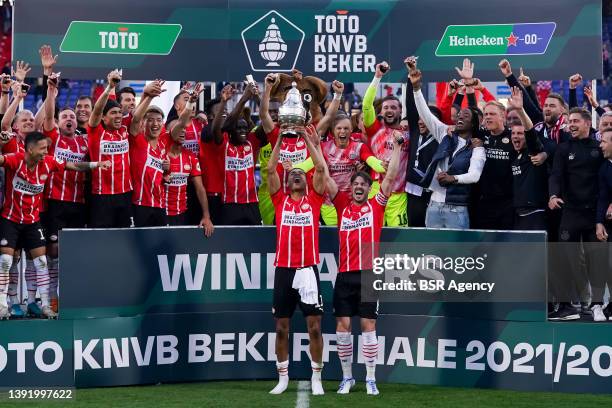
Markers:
point(125, 89)
point(178, 95)
point(110, 104)
point(33, 138)
point(557, 97)
point(390, 98)
point(584, 114)
point(208, 107)
point(65, 108)
point(80, 98)
point(363, 175)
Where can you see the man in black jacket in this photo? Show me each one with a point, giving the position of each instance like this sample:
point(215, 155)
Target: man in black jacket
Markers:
point(604, 204)
point(573, 189)
point(422, 148)
point(530, 176)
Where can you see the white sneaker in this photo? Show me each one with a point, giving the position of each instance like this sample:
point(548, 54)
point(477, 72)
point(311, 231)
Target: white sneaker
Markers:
point(346, 385)
point(317, 387)
point(283, 383)
point(598, 314)
point(371, 387)
point(48, 312)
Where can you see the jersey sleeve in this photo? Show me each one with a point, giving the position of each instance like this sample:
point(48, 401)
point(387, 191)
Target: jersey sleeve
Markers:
point(316, 199)
point(380, 200)
point(278, 197)
point(274, 135)
point(54, 164)
point(373, 128)
point(11, 161)
point(94, 134)
point(365, 152)
point(52, 134)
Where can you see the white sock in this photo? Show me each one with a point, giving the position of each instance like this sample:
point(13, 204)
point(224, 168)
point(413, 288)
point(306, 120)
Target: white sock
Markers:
point(316, 370)
point(283, 377)
point(369, 350)
point(5, 265)
point(344, 344)
point(30, 275)
point(13, 282)
point(53, 277)
point(42, 278)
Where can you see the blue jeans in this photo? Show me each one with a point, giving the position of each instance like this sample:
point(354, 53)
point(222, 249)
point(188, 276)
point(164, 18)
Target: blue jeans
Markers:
point(441, 215)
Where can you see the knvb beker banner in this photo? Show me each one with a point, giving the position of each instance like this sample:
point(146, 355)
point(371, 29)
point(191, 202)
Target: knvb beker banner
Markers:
point(149, 349)
point(224, 40)
point(128, 272)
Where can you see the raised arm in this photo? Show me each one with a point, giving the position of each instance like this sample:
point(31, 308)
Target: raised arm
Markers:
point(332, 109)
point(312, 139)
point(266, 120)
point(151, 91)
point(534, 112)
point(392, 171)
point(369, 114)
point(49, 104)
point(205, 222)
point(232, 118)
point(437, 128)
point(113, 78)
point(274, 182)
point(86, 166)
point(185, 116)
point(5, 83)
point(19, 93)
point(217, 125)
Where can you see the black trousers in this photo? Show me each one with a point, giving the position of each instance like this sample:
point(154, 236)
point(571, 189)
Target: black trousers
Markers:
point(241, 214)
point(111, 210)
point(534, 221)
point(215, 208)
point(149, 216)
point(579, 251)
point(493, 214)
point(417, 207)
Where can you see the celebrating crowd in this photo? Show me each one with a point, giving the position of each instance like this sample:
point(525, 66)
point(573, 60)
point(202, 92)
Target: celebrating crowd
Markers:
point(466, 163)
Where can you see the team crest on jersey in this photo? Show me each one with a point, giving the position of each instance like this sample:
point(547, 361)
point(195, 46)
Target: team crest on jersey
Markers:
point(83, 148)
point(353, 156)
point(364, 209)
point(187, 167)
point(43, 177)
point(571, 156)
point(247, 148)
point(505, 140)
point(300, 143)
point(305, 207)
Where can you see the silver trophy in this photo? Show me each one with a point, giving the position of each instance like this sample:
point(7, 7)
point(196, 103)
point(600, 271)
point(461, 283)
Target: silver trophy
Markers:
point(292, 112)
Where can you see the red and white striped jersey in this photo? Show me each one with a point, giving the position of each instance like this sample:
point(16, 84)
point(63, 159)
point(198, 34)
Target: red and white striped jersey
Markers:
point(67, 185)
point(341, 162)
point(25, 187)
point(297, 229)
point(182, 167)
point(292, 149)
point(15, 145)
point(147, 172)
point(359, 233)
point(113, 146)
point(192, 137)
point(381, 143)
point(239, 181)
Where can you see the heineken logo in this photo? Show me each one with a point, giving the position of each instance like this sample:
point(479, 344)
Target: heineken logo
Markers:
point(495, 39)
point(98, 37)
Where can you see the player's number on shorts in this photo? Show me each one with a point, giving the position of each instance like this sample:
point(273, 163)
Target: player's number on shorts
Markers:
point(42, 235)
point(402, 218)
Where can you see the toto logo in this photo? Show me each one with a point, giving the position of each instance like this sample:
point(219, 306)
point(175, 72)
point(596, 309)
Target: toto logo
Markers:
point(272, 43)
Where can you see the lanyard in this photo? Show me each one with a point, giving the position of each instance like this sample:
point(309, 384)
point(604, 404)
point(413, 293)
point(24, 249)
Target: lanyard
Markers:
point(421, 146)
